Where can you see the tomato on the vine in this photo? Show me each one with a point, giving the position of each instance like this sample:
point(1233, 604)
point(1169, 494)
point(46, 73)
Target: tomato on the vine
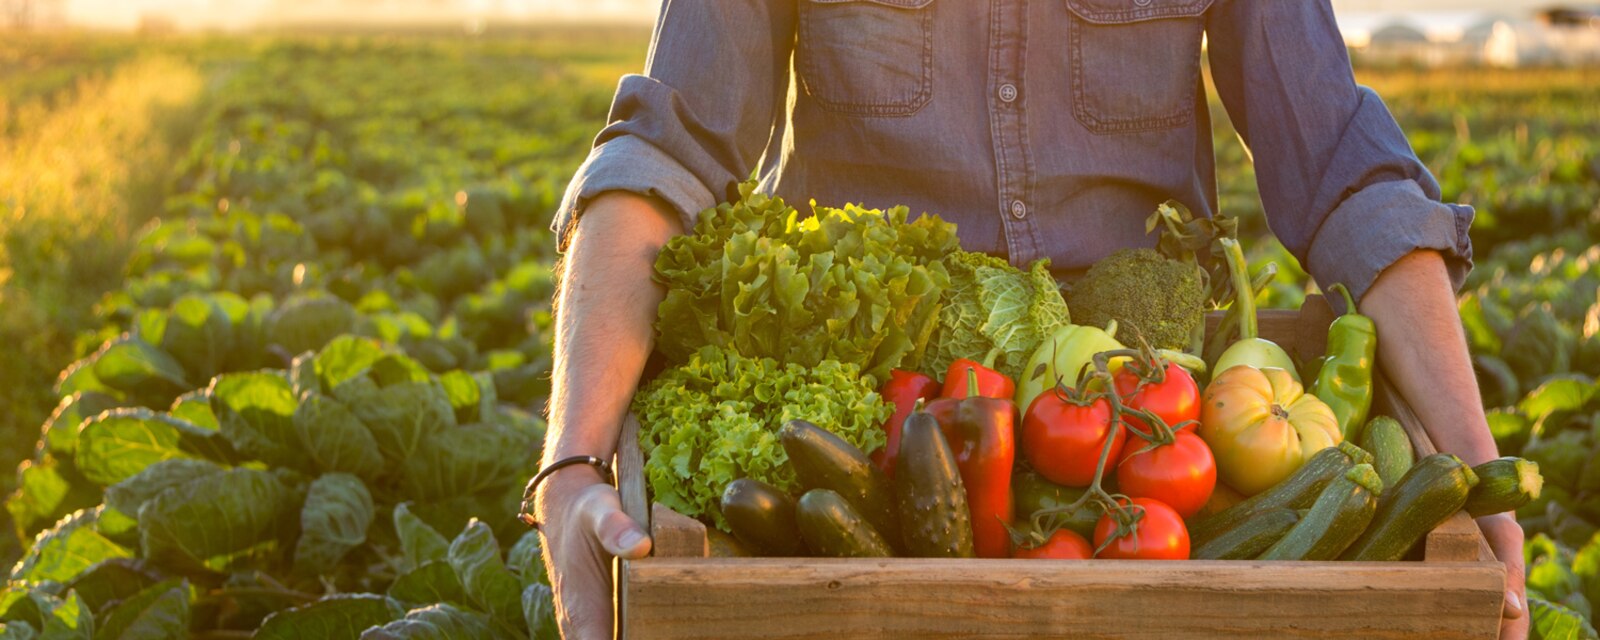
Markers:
point(1161, 534)
point(1181, 474)
point(1064, 544)
point(1176, 398)
point(1062, 438)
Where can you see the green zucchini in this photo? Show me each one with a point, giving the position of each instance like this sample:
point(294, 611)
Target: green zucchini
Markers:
point(1336, 519)
point(1433, 490)
point(1504, 484)
point(1298, 491)
point(934, 518)
point(1250, 538)
point(833, 528)
point(762, 517)
point(822, 460)
point(1390, 447)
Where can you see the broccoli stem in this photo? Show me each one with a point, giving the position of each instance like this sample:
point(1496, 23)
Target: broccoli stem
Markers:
point(1243, 294)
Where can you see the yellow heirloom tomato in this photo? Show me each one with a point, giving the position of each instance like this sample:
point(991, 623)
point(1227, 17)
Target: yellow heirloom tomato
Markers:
point(1262, 425)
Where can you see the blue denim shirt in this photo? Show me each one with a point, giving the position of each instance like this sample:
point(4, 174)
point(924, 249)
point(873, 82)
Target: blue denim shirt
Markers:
point(1043, 128)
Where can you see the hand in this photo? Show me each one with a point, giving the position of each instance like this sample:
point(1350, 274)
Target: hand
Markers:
point(583, 527)
point(1505, 539)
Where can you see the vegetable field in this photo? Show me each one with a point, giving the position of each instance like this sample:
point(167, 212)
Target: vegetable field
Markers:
point(302, 399)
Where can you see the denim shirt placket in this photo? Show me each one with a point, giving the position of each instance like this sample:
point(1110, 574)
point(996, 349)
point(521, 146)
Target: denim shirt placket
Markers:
point(1009, 129)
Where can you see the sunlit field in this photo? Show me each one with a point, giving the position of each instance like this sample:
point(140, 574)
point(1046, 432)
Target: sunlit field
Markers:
point(204, 236)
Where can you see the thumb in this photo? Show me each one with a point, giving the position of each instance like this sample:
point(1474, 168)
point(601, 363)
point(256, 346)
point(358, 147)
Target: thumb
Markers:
point(619, 534)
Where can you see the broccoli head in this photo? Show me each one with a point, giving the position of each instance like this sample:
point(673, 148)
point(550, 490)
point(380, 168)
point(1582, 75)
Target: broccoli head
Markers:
point(1150, 296)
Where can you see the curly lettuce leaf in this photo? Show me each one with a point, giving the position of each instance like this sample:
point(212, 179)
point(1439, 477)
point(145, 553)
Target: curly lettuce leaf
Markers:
point(715, 419)
point(860, 286)
point(992, 307)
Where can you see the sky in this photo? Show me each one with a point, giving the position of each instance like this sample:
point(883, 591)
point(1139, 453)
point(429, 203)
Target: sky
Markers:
point(127, 14)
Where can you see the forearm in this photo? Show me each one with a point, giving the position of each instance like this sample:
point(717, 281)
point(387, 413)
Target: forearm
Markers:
point(605, 315)
point(1423, 352)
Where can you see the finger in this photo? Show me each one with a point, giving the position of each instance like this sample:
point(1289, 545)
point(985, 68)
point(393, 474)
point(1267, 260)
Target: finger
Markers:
point(1505, 538)
point(617, 533)
point(581, 610)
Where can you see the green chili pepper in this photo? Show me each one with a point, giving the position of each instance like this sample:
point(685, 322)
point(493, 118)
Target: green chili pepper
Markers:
point(1345, 381)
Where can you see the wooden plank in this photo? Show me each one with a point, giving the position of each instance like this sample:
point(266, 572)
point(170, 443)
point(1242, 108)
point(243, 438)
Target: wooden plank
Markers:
point(904, 597)
point(1303, 333)
point(630, 472)
point(675, 535)
point(629, 467)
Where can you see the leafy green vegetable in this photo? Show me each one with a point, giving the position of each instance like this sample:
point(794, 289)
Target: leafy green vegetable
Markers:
point(136, 367)
point(130, 494)
point(491, 587)
point(854, 285)
point(334, 520)
point(419, 543)
point(432, 582)
point(159, 612)
point(306, 323)
point(539, 608)
point(339, 616)
point(438, 622)
point(67, 549)
point(992, 307)
point(715, 419)
point(212, 516)
point(256, 414)
point(334, 438)
point(1555, 622)
point(117, 444)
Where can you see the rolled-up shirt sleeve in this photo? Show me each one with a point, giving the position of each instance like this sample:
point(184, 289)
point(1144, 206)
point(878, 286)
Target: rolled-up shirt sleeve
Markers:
point(699, 118)
point(1341, 186)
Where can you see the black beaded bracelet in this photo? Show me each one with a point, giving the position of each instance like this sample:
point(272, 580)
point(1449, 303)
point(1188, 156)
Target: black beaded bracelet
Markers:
point(526, 515)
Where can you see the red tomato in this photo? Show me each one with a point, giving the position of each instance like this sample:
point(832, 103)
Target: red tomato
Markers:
point(1181, 474)
point(1176, 399)
point(1064, 544)
point(1062, 440)
point(1162, 535)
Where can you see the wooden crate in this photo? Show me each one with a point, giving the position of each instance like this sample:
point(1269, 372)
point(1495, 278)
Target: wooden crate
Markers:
point(1455, 591)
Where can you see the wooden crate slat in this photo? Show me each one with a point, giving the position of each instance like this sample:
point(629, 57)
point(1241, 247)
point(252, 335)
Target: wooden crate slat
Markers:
point(825, 598)
point(676, 535)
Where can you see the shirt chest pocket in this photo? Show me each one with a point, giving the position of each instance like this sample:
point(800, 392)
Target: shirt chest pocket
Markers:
point(866, 57)
point(1135, 64)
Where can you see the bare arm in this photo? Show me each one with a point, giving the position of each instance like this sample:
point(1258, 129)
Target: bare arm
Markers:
point(1428, 362)
point(604, 329)
point(605, 319)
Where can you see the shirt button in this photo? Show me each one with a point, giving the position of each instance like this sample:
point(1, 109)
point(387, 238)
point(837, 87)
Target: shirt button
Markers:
point(1008, 92)
point(1018, 210)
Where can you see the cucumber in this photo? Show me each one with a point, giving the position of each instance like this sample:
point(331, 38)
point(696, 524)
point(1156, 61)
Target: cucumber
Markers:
point(934, 518)
point(1390, 447)
point(833, 528)
point(822, 460)
point(1250, 538)
point(762, 517)
point(1298, 491)
point(1341, 512)
point(1504, 484)
point(1433, 490)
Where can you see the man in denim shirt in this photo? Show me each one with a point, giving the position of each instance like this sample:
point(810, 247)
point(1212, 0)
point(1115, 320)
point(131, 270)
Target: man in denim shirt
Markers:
point(1043, 129)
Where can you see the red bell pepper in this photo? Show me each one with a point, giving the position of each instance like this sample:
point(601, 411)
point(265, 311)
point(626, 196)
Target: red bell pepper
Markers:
point(904, 389)
point(988, 382)
point(981, 433)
